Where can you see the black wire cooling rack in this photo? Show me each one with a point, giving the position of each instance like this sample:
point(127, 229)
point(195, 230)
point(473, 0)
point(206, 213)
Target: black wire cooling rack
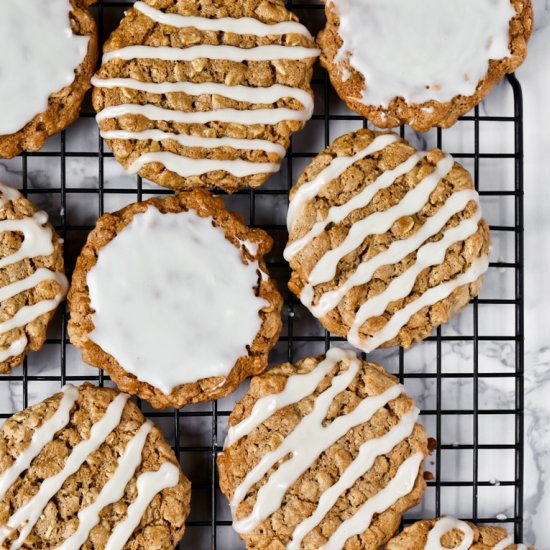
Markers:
point(76, 179)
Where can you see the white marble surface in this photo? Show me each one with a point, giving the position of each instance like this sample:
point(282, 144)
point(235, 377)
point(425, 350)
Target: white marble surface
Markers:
point(495, 499)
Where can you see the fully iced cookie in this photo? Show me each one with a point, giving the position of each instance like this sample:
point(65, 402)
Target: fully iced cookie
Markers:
point(386, 242)
point(421, 62)
point(85, 469)
point(205, 93)
point(326, 454)
point(32, 279)
point(172, 297)
point(448, 532)
point(50, 51)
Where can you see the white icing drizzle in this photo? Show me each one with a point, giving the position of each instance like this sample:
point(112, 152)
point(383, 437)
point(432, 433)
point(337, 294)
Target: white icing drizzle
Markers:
point(393, 254)
point(43, 56)
point(269, 52)
point(186, 167)
point(443, 526)
point(430, 297)
point(337, 167)
point(428, 255)
point(448, 46)
point(159, 338)
point(198, 141)
point(297, 387)
point(37, 241)
point(399, 486)
point(336, 214)
point(368, 452)
point(26, 517)
point(148, 485)
point(305, 444)
point(40, 438)
point(254, 116)
point(17, 347)
point(267, 95)
point(112, 491)
point(380, 222)
point(241, 25)
point(8, 194)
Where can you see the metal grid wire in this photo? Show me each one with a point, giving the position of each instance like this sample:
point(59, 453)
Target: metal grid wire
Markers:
point(74, 197)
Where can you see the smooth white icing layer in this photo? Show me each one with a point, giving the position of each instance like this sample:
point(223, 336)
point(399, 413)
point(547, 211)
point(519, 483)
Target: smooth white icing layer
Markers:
point(40, 438)
point(241, 25)
point(27, 515)
point(443, 526)
point(399, 486)
point(269, 52)
point(310, 438)
point(148, 485)
point(8, 194)
point(112, 491)
point(41, 56)
point(504, 543)
point(186, 167)
point(443, 49)
point(197, 141)
point(15, 348)
point(179, 266)
point(267, 95)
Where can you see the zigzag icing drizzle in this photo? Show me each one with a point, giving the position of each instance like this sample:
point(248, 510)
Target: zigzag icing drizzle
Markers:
point(310, 439)
point(185, 166)
point(37, 241)
point(429, 254)
point(148, 483)
point(446, 524)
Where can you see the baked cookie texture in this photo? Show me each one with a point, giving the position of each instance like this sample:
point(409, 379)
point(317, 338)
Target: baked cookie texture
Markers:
point(385, 243)
point(32, 277)
point(242, 150)
point(64, 105)
point(263, 520)
point(420, 116)
point(81, 320)
point(485, 537)
point(65, 513)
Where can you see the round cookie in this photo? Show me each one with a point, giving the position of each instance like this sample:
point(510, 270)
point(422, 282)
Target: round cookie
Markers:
point(172, 297)
point(85, 469)
point(32, 279)
point(205, 93)
point(324, 454)
point(448, 532)
point(52, 49)
point(385, 242)
point(424, 63)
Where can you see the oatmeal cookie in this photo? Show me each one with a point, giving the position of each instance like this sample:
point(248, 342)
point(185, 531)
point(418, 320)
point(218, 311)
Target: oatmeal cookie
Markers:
point(449, 532)
point(52, 55)
point(322, 454)
point(172, 297)
point(32, 279)
point(84, 469)
point(424, 63)
point(386, 242)
point(205, 93)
